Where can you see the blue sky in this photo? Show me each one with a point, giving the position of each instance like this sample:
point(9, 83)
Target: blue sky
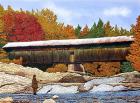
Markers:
point(74, 12)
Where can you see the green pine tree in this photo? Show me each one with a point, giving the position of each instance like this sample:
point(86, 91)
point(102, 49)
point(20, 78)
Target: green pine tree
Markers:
point(77, 31)
point(96, 30)
point(100, 28)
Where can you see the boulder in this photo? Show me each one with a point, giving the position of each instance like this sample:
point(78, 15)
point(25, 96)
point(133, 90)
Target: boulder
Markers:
point(55, 97)
point(81, 88)
point(90, 84)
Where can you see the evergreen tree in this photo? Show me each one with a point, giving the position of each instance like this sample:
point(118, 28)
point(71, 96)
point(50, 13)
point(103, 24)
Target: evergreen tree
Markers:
point(116, 31)
point(77, 31)
point(93, 31)
point(126, 67)
point(96, 30)
point(100, 28)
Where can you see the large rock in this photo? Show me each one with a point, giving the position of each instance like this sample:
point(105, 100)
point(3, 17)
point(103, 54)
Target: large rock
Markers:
point(42, 77)
point(57, 89)
point(131, 77)
point(90, 84)
point(81, 88)
point(12, 83)
point(72, 79)
point(105, 87)
point(6, 100)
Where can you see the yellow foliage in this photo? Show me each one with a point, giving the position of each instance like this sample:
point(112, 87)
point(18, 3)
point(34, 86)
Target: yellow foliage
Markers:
point(16, 61)
point(85, 31)
point(58, 68)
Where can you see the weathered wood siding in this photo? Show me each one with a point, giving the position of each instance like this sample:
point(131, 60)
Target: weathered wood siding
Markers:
point(63, 56)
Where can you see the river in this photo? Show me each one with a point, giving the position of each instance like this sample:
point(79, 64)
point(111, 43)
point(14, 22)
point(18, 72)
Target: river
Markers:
point(98, 97)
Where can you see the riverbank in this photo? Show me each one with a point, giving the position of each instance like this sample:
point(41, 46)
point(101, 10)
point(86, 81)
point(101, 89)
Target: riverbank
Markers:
point(18, 79)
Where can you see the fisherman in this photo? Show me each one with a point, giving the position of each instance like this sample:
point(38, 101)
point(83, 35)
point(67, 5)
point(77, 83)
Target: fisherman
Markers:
point(34, 84)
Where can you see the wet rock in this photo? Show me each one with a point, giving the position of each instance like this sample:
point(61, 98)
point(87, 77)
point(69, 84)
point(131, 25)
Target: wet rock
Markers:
point(55, 97)
point(57, 89)
point(81, 88)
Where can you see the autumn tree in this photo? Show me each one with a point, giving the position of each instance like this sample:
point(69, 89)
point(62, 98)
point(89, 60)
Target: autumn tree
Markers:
point(48, 21)
point(3, 36)
point(85, 31)
point(1, 20)
point(134, 56)
point(108, 29)
point(22, 27)
point(69, 32)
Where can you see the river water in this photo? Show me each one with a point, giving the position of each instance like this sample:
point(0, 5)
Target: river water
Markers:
point(98, 97)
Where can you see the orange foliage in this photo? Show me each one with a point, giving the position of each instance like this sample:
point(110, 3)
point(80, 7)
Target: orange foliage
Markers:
point(16, 61)
point(69, 32)
point(3, 38)
point(103, 68)
point(58, 68)
point(134, 56)
point(85, 31)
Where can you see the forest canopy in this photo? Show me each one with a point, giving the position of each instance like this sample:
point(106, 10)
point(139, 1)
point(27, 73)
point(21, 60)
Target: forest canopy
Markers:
point(23, 25)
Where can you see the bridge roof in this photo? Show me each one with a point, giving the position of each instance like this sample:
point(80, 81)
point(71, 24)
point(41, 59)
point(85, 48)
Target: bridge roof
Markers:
point(69, 42)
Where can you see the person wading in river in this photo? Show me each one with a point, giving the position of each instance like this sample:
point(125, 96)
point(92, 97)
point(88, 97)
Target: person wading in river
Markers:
point(34, 84)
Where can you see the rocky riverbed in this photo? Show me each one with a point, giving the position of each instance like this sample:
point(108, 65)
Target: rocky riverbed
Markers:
point(16, 79)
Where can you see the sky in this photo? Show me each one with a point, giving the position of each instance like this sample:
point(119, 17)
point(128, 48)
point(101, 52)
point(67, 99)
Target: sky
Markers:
point(82, 12)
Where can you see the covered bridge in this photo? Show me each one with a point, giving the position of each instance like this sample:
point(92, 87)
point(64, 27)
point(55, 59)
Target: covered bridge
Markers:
point(71, 50)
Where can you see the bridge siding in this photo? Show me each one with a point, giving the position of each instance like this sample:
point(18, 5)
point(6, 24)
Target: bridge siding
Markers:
point(63, 56)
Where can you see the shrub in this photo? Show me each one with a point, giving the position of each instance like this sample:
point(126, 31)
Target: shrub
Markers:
point(126, 67)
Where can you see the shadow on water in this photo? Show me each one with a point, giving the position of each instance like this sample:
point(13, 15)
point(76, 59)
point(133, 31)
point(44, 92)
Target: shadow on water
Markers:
point(98, 97)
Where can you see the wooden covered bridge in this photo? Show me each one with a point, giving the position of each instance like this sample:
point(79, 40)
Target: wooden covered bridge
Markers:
point(71, 51)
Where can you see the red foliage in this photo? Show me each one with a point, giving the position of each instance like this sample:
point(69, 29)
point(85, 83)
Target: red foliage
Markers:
point(22, 27)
